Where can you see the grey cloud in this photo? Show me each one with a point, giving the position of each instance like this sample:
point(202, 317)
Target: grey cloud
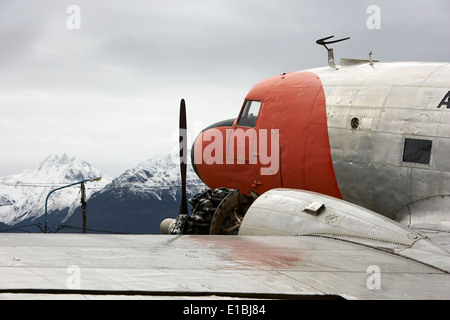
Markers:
point(136, 59)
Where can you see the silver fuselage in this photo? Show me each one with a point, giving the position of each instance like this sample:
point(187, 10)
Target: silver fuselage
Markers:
point(372, 112)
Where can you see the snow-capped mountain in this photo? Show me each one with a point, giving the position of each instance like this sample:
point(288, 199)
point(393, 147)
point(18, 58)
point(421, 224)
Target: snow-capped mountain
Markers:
point(134, 202)
point(139, 199)
point(156, 175)
point(22, 196)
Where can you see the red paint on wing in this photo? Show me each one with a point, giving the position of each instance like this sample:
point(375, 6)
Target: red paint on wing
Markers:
point(254, 254)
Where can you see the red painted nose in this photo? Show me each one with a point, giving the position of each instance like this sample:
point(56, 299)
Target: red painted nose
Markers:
point(224, 156)
point(225, 123)
point(208, 155)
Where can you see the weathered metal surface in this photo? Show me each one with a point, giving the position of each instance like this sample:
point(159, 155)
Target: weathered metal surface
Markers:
point(430, 213)
point(389, 102)
point(281, 212)
point(166, 265)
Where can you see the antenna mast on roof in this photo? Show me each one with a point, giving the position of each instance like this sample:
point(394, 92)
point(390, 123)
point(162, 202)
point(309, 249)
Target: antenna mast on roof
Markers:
point(324, 43)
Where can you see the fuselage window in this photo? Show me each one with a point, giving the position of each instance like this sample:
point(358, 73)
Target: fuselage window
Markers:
point(249, 113)
point(417, 151)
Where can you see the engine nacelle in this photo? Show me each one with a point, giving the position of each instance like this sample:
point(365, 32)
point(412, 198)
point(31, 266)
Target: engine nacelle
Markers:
point(292, 212)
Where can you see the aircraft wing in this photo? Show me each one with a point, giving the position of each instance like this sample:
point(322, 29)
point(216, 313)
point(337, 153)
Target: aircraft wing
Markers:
point(88, 266)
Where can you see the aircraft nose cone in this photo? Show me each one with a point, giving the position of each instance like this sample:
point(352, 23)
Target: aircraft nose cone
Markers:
point(197, 148)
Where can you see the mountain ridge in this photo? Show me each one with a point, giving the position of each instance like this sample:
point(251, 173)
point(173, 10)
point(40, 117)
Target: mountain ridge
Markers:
point(153, 185)
point(23, 195)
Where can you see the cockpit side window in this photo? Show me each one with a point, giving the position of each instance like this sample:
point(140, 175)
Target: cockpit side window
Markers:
point(249, 113)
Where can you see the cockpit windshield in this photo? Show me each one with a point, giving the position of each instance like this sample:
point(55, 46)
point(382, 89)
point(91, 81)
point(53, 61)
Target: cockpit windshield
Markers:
point(249, 114)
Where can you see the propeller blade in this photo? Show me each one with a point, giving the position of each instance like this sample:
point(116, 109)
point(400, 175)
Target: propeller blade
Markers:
point(183, 157)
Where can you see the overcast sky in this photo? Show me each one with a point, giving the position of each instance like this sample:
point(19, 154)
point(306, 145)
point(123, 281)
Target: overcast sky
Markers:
point(104, 84)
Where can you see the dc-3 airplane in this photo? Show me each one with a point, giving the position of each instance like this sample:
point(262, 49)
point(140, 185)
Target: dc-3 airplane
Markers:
point(331, 182)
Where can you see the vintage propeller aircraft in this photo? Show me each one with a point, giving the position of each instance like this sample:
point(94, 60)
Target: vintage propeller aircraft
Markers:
point(331, 182)
point(358, 153)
